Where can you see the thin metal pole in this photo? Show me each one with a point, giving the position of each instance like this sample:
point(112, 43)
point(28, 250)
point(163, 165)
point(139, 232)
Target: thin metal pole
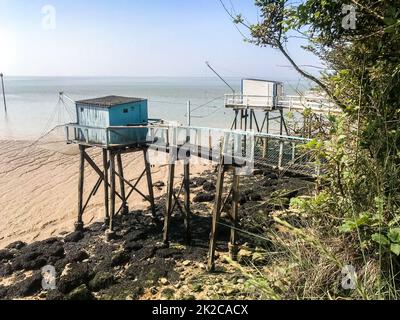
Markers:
point(4, 94)
point(189, 120)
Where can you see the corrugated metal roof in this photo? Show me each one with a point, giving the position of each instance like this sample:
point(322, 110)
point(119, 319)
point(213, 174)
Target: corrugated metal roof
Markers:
point(109, 101)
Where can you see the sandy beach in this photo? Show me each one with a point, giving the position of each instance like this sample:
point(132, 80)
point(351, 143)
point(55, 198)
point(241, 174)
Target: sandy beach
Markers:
point(39, 183)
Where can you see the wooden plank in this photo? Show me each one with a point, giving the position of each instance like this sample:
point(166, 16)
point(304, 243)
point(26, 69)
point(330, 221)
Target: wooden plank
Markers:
point(106, 190)
point(112, 191)
point(168, 209)
point(216, 215)
point(186, 182)
point(79, 223)
point(233, 246)
point(125, 209)
point(149, 181)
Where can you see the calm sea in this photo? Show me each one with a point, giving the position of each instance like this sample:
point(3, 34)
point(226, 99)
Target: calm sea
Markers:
point(34, 108)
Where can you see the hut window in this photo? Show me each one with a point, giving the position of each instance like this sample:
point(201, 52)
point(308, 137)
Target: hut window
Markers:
point(126, 110)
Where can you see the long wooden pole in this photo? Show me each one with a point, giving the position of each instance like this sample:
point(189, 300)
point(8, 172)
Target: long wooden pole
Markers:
point(216, 215)
point(149, 180)
point(233, 247)
point(125, 208)
point(169, 204)
point(79, 223)
point(186, 182)
point(4, 93)
point(106, 201)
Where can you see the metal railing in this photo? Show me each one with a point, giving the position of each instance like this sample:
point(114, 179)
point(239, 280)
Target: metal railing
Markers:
point(317, 104)
point(243, 148)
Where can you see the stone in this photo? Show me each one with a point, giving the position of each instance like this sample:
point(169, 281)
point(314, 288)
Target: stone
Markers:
point(153, 290)
point(159, 184)
point(135, 235)
point(164, 281)
point(18, 245)
point(74, 275)
point(101, 280)
point(204, 197)
point(209, 186)
point(6, 255)
point(78, 256)
point(55, 295)
point(27, 287)
point(81, 293)
point(254, 196)
point(74, 237)
point(198, 181)
point(133, 246)
point(168, 293)
point(189, 297)
point(6, 270)
point(186, 263)
point(119, 258)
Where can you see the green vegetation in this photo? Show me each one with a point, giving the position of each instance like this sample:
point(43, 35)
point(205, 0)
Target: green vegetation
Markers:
point(355, 219)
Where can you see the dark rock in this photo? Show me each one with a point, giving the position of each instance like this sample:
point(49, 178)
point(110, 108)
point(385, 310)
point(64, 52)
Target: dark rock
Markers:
point(270, 183)
point(6, 255)
point(119, 258)
point(159, 184)
point(254, 196)
point(27, 261)
point(74, 237)
point(271, 175)
point(80, 293)
point(133, 246)
point(55, 295)
point(168, 252)
point(18, 245)
point(204, 197)
point(55, 250)
point(292, 194)
point(144, 254)
point(75, 275)
point(101, 280)
point(6, 270)
point(78, 256)
point(198, 181)
point(135, 235)
point(27, 287)
point(258, 172)
point(209, 186)
point(3, 292)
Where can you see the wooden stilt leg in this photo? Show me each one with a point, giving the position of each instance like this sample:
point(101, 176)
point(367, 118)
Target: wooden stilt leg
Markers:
point(149, 181)
point(125, 209)
point(216, 216)
point(186, 182)
point(106, 200)
point(79, 223)
point(113, 193)
point(233, 247)
point(169, 205)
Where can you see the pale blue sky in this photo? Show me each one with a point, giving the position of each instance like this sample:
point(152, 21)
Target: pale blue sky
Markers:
point(134, 38)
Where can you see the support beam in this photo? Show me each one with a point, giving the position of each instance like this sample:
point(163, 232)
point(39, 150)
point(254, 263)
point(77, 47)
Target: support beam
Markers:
point(186, 183)
point(79, 223)
point(149, 180)
point(233, 246)
point(112, 191)
point(216, 215)
point(125, 208)
point(106, 190)
point(169, 204)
